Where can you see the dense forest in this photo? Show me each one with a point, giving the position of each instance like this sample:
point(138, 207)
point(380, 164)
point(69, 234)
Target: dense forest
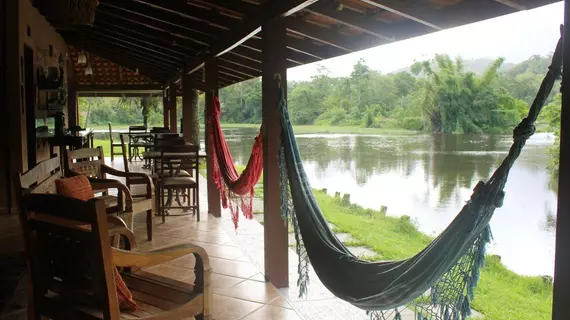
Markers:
point(438, 95)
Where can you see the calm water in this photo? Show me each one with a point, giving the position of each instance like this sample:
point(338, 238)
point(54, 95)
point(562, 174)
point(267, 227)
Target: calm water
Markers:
point(429, 177)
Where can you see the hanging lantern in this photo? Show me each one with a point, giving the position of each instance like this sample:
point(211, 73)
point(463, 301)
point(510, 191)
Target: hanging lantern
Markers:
point(89, 70)
point(69, 14)
point(82, 58)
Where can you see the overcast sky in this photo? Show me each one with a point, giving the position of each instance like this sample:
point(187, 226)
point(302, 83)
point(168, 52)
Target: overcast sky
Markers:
point(515, 37)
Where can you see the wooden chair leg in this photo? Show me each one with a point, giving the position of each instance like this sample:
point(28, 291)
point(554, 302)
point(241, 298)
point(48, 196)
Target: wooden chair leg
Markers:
point(163, 206)
point(112, 153)
point(149, 225)
point(197, 203)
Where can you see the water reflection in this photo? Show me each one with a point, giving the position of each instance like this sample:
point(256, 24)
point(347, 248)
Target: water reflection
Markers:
point(429, 177)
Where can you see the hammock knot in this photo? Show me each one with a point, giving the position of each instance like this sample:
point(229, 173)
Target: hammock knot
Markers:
point(524, 130)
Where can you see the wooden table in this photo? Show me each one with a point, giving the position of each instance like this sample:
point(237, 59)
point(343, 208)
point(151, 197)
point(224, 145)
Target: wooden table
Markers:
point(153, 155)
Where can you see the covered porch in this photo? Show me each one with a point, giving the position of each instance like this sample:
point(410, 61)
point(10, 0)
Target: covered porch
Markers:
point(175, 49)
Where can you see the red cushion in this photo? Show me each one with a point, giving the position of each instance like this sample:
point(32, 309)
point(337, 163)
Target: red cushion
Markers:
point(124, 295)
point(77, 187)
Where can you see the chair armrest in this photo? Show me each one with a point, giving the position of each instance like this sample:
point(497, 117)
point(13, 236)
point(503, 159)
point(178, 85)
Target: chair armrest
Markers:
point(99, 184)
point(122, 258)
point(118, 173)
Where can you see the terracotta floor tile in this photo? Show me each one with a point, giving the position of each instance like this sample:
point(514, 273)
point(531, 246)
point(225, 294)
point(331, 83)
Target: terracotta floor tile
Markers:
point(220, 281)
point(280, 301)
point(220, 251)
point(172, 272)
point(258, 277)
point(233, 268)
point(273, 313)
point(251, 291)
point(226, 308)
point(156, 243)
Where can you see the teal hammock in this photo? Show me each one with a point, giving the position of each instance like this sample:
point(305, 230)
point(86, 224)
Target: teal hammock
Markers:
point(438, 282)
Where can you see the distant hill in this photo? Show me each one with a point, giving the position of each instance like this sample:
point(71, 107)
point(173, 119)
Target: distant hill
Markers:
point(476, 66)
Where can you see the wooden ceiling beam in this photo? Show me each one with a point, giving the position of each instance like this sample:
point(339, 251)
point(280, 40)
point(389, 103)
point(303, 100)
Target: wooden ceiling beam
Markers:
point(200, 13)
point(252, 25)
point(140, 62)
point(126, 13)
point(141, 31)
point(150, 48)
point(128, 51)
point(241, 62)
point(245, 72)
point(146, 67)
point(141, 40)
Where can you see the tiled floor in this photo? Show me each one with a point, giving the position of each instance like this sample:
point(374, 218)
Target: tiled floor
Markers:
point(240, 291)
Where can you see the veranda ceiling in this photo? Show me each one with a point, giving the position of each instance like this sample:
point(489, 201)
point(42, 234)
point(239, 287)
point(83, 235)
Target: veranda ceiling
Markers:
point(165, 38)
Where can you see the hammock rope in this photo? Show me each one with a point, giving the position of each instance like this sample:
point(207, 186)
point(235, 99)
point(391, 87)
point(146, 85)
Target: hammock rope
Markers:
point(237, 191)
point(438, 282)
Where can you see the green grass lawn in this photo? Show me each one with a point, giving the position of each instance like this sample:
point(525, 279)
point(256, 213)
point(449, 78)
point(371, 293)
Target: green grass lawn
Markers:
point(304, 129)
point(500, 295)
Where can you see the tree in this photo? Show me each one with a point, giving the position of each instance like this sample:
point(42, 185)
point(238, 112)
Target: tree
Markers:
point(147, 105)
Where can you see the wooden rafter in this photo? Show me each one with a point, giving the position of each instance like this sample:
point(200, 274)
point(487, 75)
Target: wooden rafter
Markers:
point(158, 21)
point(270, 10)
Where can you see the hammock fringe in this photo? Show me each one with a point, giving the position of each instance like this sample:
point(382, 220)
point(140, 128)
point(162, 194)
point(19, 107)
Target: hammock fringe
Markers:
point(236, 191)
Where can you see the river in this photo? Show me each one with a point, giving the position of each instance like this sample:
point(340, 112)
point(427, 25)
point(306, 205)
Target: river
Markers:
point(429, 177)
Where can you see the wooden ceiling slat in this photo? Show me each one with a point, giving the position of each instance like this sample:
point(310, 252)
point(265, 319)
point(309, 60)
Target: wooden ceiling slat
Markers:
point(141, 31)
point(132, 62)
point(124, 13)
point(212, 18)
point(246, 63)
point(136, 46)
point(246, 72)
point(141, 40)
point(127, 51)
point(270, 10)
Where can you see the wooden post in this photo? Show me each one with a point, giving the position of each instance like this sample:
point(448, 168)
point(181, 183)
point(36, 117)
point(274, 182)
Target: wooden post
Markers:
point(190, 124)
point(165, 116)
point(214, 205)
point(276, 238)
point(172, 108)
point(72, 111)
point(561, 298)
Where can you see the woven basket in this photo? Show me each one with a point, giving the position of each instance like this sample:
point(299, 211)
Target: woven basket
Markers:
point(69, 14)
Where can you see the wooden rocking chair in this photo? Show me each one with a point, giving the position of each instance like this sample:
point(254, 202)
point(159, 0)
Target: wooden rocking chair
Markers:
point(72, 267)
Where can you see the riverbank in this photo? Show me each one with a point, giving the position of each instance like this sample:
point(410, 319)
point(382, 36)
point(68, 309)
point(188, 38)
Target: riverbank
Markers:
point(299, 129)
point(500, 295)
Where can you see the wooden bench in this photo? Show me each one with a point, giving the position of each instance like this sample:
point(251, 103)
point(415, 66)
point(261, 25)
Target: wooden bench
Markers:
point(41, 179)
point(72, 267)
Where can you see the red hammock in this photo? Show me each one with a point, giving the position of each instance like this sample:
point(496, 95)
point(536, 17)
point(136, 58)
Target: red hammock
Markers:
point(237, 191)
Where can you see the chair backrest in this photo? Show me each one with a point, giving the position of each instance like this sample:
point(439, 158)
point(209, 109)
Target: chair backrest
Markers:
point(41, 178)
point(135, 129)
point(160, 130)
point(124, 152)
point(69, 255)
point(110, 133)
point(86, 161)
point(185, 155)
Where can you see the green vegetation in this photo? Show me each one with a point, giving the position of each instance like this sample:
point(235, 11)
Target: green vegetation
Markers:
point(440, 95)
point(437, 96)
point(500, 295)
